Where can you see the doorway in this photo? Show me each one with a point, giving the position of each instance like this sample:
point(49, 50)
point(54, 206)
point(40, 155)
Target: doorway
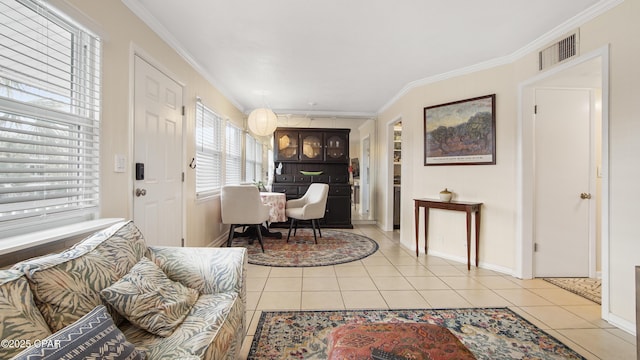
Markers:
point(157, 202)
point(589, 71)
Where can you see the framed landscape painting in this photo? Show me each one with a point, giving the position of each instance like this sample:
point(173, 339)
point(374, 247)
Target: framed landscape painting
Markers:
point(461, 132)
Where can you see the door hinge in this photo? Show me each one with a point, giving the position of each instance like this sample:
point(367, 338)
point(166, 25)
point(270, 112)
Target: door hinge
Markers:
point(535, 247)
point(182, 242)
point(183, 176)
point(183, 110)
point(535, 109)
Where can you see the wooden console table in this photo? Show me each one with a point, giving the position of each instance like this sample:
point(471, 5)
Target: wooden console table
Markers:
point(468, 207)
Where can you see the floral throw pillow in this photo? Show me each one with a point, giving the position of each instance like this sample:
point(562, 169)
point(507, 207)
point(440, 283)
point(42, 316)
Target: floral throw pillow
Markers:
point(149, 299)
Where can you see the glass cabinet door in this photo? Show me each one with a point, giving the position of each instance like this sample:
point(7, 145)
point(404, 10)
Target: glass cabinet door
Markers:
point(337, 147)
point(286, 143)
point(311, 146)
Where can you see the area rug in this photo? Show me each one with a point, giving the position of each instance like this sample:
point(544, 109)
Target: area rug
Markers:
point(588, 288)
point(489, 333)
point(334, 247)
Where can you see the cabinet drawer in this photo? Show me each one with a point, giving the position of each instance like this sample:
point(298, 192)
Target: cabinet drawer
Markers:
point(320, 179)
point(286, 189)
point(284, 178)
point(302, 178)
point(340, 190)
point(339, 179)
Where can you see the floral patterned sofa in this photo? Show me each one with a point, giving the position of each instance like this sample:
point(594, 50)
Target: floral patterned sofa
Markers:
point(42, 296)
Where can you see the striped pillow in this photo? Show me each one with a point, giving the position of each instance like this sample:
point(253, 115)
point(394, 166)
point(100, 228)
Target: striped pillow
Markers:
point(93, 336)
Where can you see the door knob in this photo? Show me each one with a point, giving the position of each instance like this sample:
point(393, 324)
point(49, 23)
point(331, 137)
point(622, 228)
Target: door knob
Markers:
point(141, 192)
point(585, 196)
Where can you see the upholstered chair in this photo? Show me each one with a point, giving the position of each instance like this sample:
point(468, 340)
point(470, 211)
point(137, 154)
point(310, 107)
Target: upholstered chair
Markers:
point(311, 206)
point(241, 206)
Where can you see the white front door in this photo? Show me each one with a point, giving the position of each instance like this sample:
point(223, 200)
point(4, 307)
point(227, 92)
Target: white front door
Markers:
point(562, 161)
point(158, 147)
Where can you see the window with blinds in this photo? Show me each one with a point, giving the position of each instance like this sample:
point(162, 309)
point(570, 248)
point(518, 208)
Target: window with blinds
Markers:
point(253, 159)
point(49, 119)
point(233, 155)
point(208, 151)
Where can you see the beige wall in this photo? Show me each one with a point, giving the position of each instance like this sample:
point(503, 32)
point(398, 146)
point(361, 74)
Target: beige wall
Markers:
point(495, 185)
point(122, 32)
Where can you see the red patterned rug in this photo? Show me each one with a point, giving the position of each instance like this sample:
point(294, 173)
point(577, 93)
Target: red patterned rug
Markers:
point(415, 341)
point(334, 247)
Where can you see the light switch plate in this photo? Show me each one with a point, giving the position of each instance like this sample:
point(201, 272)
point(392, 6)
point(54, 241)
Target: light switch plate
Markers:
point(119, 163)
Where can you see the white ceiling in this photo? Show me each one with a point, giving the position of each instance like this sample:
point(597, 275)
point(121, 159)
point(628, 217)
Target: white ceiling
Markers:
point(346, 58)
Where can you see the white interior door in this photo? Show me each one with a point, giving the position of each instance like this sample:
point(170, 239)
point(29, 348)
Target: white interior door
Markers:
point(158, 145)
point(562, 162)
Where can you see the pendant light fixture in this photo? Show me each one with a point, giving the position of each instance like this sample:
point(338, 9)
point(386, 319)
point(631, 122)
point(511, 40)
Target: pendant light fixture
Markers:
point(262, 122)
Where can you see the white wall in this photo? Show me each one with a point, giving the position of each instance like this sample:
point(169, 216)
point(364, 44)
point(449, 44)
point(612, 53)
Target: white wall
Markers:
point(122, 32)
point(495, 185)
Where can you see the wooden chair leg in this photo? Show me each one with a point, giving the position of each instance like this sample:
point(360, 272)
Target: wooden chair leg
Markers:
point(295, 229)
point(290, 227)
point(260, 236)
point(313, 225)
point(318, 226)
point(230, 238)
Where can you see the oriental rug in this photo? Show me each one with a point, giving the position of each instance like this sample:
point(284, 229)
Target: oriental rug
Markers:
point(334, 247)
point(489, 333)
point(588, 288)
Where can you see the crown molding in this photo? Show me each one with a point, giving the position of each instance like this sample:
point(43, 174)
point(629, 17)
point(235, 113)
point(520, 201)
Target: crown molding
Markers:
point(569, 25)
point(327, 114)
point(142, 13)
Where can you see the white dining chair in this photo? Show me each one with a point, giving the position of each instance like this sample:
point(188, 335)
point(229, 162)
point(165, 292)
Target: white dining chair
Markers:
point(311, 206)
point(241, 206)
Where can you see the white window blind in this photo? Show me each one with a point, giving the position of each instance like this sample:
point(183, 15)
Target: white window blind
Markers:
point(208, 151)
point(250, 158)
point(233, 155)
point(49, 119)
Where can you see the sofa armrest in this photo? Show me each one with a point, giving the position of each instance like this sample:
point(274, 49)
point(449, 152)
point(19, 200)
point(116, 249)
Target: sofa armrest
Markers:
point(208, 270)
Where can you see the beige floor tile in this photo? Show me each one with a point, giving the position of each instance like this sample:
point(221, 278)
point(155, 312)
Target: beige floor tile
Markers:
point(462, 282)
point(557, 317)
point(351, 271)
point(431, 260)
point(591, 313)
point(445, 270)
point(601, 343)
point(382, 270)
point(440, 299)
point(252, 299)
point(572, 345)
point(392, 283)
point(356, 283)
point(280, 300)
point(256, 284)
point(414, 270)
point(285, 272)
point(322, 271)
point(630, 338)
point(533, 283)
point(497, 282)
point(283, 284)
point(246, 347)
point(320, 284)
point(322, 300)
point(363, 300)
point(522, 297)
point(427, 283)
point(253, 324)
point(376, 261)
point(532, 319)
point(483, 298)
point(561, 297)
point(404, 299)
point(405, 260)
point(258, 271)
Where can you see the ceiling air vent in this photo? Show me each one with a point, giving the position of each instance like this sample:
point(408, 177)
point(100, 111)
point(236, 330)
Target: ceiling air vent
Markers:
point(558, 51)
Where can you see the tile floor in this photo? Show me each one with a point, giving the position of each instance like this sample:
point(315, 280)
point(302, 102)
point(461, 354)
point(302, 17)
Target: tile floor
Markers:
point(393, 278)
